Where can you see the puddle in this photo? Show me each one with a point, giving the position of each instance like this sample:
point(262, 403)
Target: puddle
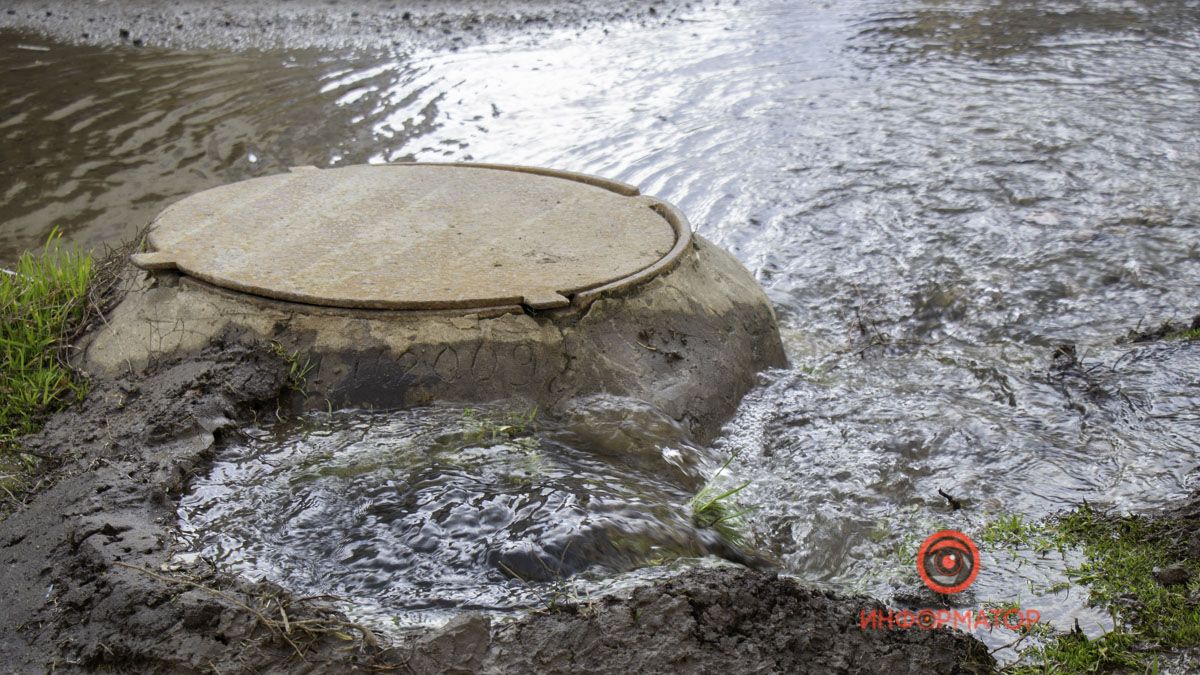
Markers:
point(415, 514)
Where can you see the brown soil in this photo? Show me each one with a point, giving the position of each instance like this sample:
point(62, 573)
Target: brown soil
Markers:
point(727, 620)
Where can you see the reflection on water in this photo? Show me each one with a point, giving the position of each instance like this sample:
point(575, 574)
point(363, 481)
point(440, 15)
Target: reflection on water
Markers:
point(933, 193)
point(1004, 29)
point(97, 141)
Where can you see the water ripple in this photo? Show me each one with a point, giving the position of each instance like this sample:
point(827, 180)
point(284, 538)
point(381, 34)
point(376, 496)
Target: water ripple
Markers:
point(933, 194)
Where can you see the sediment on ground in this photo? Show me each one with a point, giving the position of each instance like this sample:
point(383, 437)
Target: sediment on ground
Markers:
point(218, 24)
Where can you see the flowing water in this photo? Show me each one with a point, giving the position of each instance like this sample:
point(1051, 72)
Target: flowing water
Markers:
point(420, 513)
point(934, 195)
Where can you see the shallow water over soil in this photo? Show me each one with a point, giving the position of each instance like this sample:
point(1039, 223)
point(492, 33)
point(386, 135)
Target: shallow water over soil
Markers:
point(934, 195)
point(417, 513)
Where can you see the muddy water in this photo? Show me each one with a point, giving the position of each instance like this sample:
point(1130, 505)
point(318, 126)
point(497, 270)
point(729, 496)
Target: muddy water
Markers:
point(934, 194)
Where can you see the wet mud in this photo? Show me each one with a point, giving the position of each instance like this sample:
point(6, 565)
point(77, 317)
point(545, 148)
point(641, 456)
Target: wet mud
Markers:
point(729, 620)
point(215, 24)
point(92, 581)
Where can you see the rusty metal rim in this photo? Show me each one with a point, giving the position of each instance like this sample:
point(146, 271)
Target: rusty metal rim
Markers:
point(580, 298)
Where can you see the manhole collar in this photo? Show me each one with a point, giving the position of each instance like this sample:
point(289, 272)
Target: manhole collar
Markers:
point(420, 237)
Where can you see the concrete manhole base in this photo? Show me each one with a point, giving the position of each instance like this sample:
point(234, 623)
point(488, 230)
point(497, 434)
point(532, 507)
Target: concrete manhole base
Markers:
point(606, 291)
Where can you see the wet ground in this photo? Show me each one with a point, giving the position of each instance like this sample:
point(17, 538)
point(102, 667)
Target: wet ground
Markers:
point(94, 579)
point(934, 194)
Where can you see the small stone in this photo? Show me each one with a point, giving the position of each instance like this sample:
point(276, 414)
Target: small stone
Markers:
point(1193, 545)
point(123, 33)
point(1173, 575)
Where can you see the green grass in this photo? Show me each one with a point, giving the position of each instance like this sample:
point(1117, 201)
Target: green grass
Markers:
point(714, 507)
point(1120, 556)
point(1011, 531)
point(1075, 653)
point(494, 427)
point(297, 371)
point(1189, 334)
point(42, 302)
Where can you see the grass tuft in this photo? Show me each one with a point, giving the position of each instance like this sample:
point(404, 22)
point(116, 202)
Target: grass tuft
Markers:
point(42, 302)
point(492, 428)
point(1012, 531)
point(1188, 334)
point(1123, 561)
point(298, 370)
point(1075, 653)
point(714, 507)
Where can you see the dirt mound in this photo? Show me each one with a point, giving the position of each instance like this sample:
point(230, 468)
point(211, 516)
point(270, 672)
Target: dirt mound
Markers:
point(1167, 330)
point(726, 620)
point(88, 575)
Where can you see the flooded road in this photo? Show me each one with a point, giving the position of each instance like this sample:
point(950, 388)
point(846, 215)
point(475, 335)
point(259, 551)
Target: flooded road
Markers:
point(934, 195)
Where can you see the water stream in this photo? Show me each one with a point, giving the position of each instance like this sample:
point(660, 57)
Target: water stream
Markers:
point(934, 194)
point(419, 513)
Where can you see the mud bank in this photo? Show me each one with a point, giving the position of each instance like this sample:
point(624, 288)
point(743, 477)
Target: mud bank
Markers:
point(728, 620)
point(215, 24)
point(90, 578)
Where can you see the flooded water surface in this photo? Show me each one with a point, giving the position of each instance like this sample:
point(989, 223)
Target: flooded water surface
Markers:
point(425, 511)
point(935, 195)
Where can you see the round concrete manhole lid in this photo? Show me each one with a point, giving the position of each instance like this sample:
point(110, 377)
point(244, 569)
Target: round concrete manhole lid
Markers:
point(418, 236)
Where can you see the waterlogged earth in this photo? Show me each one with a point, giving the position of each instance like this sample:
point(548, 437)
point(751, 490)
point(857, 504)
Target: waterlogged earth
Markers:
point(935, 195)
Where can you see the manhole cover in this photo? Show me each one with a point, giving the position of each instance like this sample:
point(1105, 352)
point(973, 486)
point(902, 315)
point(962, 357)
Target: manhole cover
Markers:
point(418, 236)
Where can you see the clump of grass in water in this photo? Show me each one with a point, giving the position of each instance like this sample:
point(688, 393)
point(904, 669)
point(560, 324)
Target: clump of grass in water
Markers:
point(495, 428)
point(714, 507)
point(1011, 531)
point(1190, 334)
point(1121, 556)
